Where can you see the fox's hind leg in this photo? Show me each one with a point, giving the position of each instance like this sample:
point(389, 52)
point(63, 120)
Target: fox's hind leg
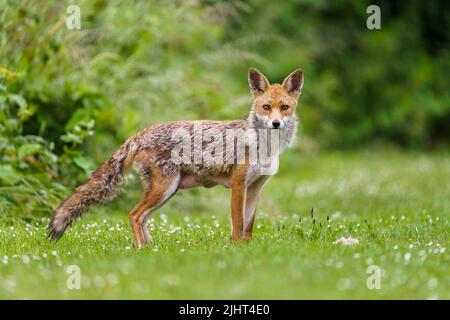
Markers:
point(161, 186)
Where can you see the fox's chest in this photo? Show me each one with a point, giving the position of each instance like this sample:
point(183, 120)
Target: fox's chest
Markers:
point(267, 169)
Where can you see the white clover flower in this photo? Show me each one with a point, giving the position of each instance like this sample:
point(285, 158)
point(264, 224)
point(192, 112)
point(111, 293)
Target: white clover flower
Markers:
point(407, 256)
point(347, 241)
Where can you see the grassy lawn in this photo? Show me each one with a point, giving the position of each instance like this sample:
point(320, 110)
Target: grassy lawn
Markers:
point(397, 205)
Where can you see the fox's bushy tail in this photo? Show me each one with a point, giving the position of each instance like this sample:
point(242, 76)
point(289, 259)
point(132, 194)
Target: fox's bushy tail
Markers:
point(103, 185)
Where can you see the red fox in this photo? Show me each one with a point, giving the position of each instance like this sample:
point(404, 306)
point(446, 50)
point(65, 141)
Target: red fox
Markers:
point(154, 154)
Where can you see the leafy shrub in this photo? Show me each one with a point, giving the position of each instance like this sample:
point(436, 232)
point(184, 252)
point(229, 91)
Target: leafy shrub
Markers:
point(32, 175)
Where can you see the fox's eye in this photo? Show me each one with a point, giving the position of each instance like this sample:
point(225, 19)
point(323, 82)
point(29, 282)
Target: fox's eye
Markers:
point(266, 107)
point(284, 107)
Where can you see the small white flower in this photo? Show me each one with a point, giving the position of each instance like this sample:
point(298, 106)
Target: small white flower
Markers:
point(407, 256)
point(347, 241)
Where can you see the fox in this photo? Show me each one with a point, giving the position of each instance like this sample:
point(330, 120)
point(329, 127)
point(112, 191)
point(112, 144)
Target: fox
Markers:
point(151, 153)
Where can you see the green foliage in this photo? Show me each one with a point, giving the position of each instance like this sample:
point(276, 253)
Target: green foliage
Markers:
point(32, 175)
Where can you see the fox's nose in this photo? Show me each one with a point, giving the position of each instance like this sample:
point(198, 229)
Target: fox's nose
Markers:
point(276, 124)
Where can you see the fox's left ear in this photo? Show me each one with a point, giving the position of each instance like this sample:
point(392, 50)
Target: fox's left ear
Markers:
point(294, 82)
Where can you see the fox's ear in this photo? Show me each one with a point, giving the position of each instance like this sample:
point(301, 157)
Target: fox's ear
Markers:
point(294, 82)
point(257, 81)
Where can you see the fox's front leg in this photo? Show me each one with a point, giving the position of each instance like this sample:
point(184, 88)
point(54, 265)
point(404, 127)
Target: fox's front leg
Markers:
point(238, 195)
point(252, 197)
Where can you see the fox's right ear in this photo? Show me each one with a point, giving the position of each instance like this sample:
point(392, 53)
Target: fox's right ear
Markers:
point(257, 81)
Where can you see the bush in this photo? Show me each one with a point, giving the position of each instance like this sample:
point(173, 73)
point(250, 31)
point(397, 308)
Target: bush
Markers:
point(32, 175)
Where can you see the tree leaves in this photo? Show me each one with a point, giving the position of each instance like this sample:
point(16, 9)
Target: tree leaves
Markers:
point(8, 175)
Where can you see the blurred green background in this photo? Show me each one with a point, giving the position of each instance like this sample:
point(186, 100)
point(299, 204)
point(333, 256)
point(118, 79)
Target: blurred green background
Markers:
point(69, 98)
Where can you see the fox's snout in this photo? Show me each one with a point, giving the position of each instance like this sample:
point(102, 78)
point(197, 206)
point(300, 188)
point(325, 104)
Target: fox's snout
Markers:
point(274, 119)
point(275, 124)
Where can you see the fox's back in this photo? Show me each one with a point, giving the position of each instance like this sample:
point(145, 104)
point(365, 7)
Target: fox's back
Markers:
point(166, 136)
point(179, 146)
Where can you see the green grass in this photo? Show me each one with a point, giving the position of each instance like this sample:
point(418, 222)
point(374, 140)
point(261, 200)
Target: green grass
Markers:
point(397, 205)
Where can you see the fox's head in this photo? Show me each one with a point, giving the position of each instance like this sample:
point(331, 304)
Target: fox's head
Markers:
point(274, 105)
